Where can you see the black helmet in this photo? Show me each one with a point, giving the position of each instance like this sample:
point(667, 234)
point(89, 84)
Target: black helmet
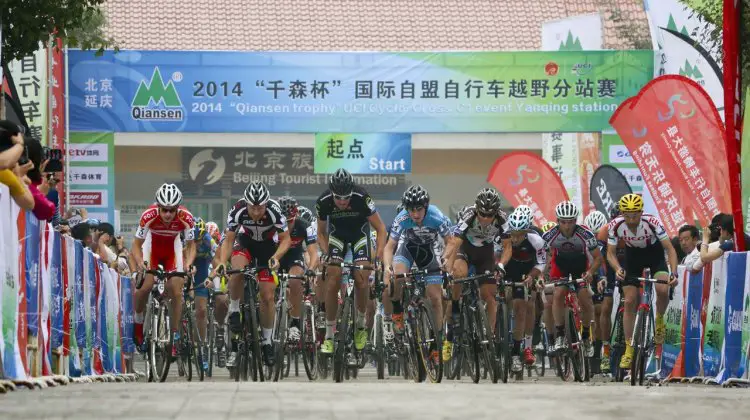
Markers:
point(256, 193)
point(341, 183)
point(305, 214)
point(488, 201)
point(415, 196)
point(288, 206)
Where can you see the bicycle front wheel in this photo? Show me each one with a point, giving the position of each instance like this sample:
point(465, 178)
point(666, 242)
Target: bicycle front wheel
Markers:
point(502, 342)
point(342, 338)
point(470, 348)
point(210, 341)
point(308, 342)
point(638, 366)
point(430, 343)
point(279, 341)
point(162, 350)
point(486, 342)
point(379, 346)
point(197, 347)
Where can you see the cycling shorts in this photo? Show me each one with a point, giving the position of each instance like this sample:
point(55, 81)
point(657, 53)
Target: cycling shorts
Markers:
point(563, 265)
point(481, 257)
point(166, 253)
point(201, 274)
point(293, 257)
point(639, 259)
point(516, 271)
point(257, 254)
point(359, 245)
point(424, 256)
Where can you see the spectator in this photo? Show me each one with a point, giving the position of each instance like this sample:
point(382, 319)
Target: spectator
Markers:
point(11, 144)
point(75, 216)
point(44, 209)
point(678, 248)
point(722, 228)
point(104, 237)
point(690, 245)
point(82, 232)
point(12, 166)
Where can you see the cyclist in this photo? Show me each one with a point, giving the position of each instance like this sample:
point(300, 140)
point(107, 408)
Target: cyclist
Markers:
point(547, 226)
point(571, 245)
point(164, 221)
point(529, 256)
point(252, 224)
point(213, 229)
point(293, 261)
point(645, 243)
point(345, 214)
point(483, 225)
point(420, 225)
point(204, 255)
point(595, 221)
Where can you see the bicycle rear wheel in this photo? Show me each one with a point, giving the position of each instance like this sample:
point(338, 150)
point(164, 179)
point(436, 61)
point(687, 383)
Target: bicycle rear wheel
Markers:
point(308, 342)
point(429, 339)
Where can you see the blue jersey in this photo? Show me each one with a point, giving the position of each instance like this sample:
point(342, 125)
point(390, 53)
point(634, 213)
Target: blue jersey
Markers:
point(434, 226)
point(204, 253)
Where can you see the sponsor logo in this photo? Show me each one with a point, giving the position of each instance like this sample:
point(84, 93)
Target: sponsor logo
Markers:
point(581, 69)
point(85, 198)
point(604, 196)
point(551, 68)
point(157, 101)
point(205, 169)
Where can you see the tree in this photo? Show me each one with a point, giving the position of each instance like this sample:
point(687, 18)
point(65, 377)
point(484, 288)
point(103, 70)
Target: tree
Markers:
point(26, 23)
point(711, 15)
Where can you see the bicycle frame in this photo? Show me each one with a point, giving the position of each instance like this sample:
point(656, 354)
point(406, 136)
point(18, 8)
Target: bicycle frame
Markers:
point(249, 341)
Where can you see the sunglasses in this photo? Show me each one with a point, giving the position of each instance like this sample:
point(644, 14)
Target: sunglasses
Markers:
point(342, 197)
point(483, 214)
point(168, 209)
point(415, 208)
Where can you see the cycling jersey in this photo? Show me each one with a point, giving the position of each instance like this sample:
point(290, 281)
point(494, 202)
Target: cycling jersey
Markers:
point(254, 240)
point(526, 255)
point(164, 248)
point(420, 242)
point(302, 235)
point(204, 253)
point(470, 230)
point(348, 229)
point(569, 255)
point(602, 237)
point(648, 232)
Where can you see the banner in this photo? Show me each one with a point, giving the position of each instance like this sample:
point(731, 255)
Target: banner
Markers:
point(733, 106)
point(92, 174)
point(351, 92)
point(744, 357)
point(731, 348)
point(607, 186)
point(524, 178)
point(375, 153)
point(57, 116)
point(575, 33)
point(692, 327)
point(616, 154)
point(671, 362)
point(560, 151)
point(745, 147)
point(10, 321)
point(30, 76)
point(714, 331)
point(588, 162)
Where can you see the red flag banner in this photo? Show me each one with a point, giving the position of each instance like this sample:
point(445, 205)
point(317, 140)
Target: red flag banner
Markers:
point(56, 115)
point(676, 128)
point(524, 178)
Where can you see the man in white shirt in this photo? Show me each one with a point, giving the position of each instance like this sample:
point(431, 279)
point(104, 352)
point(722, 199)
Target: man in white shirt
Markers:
point(689, 242)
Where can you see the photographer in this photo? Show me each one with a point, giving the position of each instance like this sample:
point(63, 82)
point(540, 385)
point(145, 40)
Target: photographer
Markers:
point(44, 209)
point(14, 165)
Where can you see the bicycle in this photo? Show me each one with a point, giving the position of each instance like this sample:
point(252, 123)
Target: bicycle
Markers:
point(424, 340)
point(643, 334)
point(191, 349)
point(574, 352)
point(281, 326)
point(344, 335)
point(249, 362)
point(156, 329)
point(504, 329)
point(215, 337)
point(377, 337)
point(541, 336)
point(617, 342)
point(474, 334)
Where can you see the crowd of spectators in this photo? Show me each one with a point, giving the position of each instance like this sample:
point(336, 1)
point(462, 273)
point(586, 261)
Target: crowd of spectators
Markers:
point(697, 249)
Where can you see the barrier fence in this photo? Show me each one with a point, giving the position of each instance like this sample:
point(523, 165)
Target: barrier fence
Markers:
point(63, 311)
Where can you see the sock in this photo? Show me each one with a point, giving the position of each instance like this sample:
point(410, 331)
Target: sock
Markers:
point(360, 320)
point(295, 322)
point(560, 330)
point(267, 333)
point(527, 342)
point(397, 308)
point(598, 349)
point(516, 347)
point(330, 325)
point(659, 319)
point(139, 318)
point(234, 305)
point(605, 348)
point(586, 333)
point(455, 307)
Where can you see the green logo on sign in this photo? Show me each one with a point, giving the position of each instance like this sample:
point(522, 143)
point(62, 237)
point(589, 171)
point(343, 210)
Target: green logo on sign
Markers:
point(690, 71)
point(571, 44)
point(157, 101)
point(672, 26)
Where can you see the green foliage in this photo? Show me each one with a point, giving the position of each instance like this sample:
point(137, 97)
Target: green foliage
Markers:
point(26, 23)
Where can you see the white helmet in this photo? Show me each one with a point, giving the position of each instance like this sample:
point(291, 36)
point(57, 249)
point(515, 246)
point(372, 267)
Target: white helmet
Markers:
point(567, 210)
point(168, 195)
point(523, 209)
point(519, 221)
point(595, 220)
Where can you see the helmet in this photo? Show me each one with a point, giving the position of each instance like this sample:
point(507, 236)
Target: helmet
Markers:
point(213, 230)
point(524, 209)
point(548, 226)
point(631, 202)
point(289, 206)
point(415, 196)
point(614, 212)
point(341, 183)
point(567, 210)
point(595, 220)
point(518, 221)
point(305, 214)
point(168, 195)
point(200, 228)
point(488, 201)
point(256, 193)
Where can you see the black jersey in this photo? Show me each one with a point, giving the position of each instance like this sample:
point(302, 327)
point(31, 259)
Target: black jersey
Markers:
point(346, 224)
point(300, 232)
point(240, 222)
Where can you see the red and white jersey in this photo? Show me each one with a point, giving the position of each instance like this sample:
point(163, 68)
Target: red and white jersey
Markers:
point(649, 231)
point(165, 233)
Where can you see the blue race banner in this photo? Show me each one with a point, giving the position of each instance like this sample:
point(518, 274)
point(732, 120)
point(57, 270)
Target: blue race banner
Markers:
point(126, 314)
point(352, 92)
point(56, 324)
point(32, 274)
point(78, 319)
point(731, 350)
point(374, 153)
point(693, 330)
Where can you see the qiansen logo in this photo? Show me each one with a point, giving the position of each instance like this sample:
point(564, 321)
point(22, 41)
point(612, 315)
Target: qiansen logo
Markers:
point(157, 101)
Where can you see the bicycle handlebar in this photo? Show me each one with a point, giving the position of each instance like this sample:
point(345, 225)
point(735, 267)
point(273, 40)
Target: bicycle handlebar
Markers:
point(351, 266)
point(651, 280)
point(416, 272)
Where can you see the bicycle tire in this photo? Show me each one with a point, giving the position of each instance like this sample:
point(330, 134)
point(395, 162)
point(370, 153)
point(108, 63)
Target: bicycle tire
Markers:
point(256, 362)
point(341, 338)
point(472, 346)
point(639, 340)
point(575, 352)
point(166, 348)
point(502, 343)
point(241, 363)
point(482, 327)
point(309, 344)
point(617, 347)
point(279, 341)
point(542, 356)
point(211, 344)
point(427, 336)
point(186, 342)
point(198, 352)
point(379, 347)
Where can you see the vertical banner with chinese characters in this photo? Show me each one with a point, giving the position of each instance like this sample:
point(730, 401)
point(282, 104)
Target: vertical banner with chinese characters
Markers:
point(30, 76)
point(57, 120)
point(363, 153)
point(745, 163)
point(560, 151)
point(588, 162)
point(525, 178)
point(92, 177)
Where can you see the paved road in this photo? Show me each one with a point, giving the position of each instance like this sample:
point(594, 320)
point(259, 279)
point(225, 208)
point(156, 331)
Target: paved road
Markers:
point(367, 398)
